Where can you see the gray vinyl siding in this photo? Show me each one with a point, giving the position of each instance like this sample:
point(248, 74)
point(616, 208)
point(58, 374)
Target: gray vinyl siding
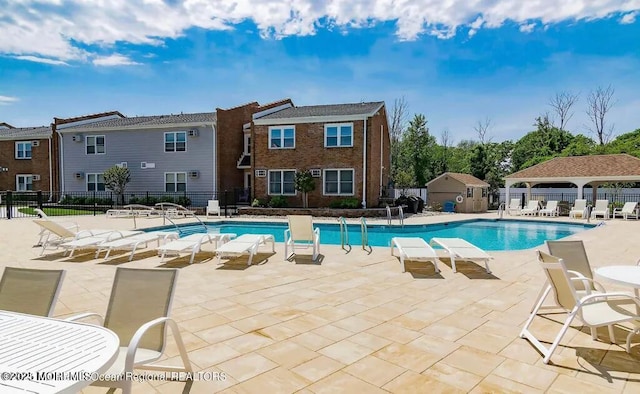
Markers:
point(136, 146)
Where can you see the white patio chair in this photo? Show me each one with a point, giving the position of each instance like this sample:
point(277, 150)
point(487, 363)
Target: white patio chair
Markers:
point(595, 310)
point(460, 249)
point(601, 209)
point(301, 234)
point(57, 234)
point(629, 209)
point(531, 209)
point(514, 206)
point(579, 208)
point(30, 291)
point(414, 248)
point(213, 207)
point(246, 243)
point(138, 312)
point(550, 210)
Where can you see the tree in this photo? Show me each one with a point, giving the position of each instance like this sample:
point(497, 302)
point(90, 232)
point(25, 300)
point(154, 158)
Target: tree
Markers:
point(116, 179)
point(396, 131)
point(562, 103)
point(580, 146)
point(599, 103)
point(481, 128)
point(418, 150)
point(545, 142)
point(304, 183)
point(626, 143)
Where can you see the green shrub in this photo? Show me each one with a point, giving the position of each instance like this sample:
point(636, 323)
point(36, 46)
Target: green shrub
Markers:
point(278, 202)
point(258, 202)
point(345, 203)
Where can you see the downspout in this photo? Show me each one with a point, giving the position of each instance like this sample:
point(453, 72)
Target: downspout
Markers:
point(381, 156)
point(61, 148)
point(50, 169)
point(364, 165)
point(215, 163)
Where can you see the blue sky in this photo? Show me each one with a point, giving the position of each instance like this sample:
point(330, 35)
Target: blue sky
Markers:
point(495, 59)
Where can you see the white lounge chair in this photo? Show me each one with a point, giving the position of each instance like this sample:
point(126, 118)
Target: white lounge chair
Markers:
point(56, 234)
point(629, 209)
point(246, 243)
point(414, 248)
point(138, 312)
point(595, 310)
point(531, 209)
point(460, 249)
point(71, 226)
point(550, 210)
point(601, 209)
point(579, 208)
point(94, 241)
point(31, 291)
point(192, 244)
point(301, 234)
point(135, 242)
point(514, 207)
point(213, 207)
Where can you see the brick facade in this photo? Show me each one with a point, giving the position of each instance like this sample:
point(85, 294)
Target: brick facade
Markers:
point(310, 153)
point(38, 164)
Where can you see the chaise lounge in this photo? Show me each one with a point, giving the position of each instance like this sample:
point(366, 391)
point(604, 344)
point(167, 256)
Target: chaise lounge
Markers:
point(246, 243)
point(414, 248)
point(460, 249)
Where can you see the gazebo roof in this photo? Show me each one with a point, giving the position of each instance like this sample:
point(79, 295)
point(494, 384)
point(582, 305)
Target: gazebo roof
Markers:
point(618, 167)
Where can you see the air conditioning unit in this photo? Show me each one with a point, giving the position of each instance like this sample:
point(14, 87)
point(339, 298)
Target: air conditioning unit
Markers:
point(194, 174)
point(145, 164)
point(316, 173)
point(35, 143)
point(193, 133)
point(35, 177)
point(124, 164)
point(78, 175)
point(77, 138)
point(261, 173)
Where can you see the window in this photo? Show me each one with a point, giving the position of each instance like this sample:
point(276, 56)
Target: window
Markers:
point(24, 183)
point(23, 150)
point(95, 145)
point(338, 182)
point(469, 192)
point(175, 141)
point(282, 137)
point(484, 192)
point(247, 144)
point(338, 135)
point(175, 182)
point(281, 182)
point(95, 182)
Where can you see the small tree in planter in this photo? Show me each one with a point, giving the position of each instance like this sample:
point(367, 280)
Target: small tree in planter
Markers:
point(304, 183)
point(116, 179)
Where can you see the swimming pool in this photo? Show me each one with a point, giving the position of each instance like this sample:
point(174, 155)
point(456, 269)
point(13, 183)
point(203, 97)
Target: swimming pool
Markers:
point(485, 233)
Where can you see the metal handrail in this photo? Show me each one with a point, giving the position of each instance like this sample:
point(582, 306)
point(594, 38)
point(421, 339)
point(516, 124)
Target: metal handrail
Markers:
point(344, 234)
point(365, 234)
point(401, 215)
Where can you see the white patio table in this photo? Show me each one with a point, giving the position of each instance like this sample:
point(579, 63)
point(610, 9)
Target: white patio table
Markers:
point(45, 355)
point(628, 275)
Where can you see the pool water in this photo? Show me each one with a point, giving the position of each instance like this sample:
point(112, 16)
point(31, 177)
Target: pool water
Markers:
point(484, 233)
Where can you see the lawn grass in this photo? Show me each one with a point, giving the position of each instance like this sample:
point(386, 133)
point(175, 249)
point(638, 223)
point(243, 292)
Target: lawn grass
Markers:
point(57, 211)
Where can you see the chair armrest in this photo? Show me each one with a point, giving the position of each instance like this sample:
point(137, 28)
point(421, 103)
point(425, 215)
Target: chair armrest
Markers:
point(618, 294)
point(86, 315)
point(140, 332)
point(585, 280)
point(287, 234)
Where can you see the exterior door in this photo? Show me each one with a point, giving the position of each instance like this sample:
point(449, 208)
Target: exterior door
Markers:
point(477, 199)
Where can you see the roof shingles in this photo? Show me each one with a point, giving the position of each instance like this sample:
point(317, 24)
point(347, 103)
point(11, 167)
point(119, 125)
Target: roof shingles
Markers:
point(25, 132)
point(159, 120)
point(618, 165)
point(326, 110)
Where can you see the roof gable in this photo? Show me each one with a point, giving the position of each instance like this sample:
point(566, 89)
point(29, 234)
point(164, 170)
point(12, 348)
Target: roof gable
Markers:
point(466, 179)
point(618, 165)
point(318, 113)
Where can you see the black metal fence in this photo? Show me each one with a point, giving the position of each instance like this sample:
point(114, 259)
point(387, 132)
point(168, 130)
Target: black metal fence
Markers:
point(22, 204)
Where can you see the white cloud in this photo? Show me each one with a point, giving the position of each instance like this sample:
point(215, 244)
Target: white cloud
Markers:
point(65, 30)
point(629, 18)
point(37, 59)
point(113, 60)
point(527, 27)
point(5, 100)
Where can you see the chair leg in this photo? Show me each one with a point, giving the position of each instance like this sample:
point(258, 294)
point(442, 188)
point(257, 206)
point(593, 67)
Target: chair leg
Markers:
point(594, 333)
point(402, 263)
point(612, 335)
point(628, 342)
point(453, 262)
point(559, 337)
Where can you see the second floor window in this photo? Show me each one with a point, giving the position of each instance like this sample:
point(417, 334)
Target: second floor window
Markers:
point(23, 150)
point(282, 137)
point(24, 183)
point(95, 145)
point(175, 182)
point(95, 183)
point(338, 135)
point(175, 141)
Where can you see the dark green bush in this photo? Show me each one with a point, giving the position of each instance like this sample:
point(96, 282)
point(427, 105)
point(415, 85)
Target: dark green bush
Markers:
point(278, 202)
point(345, 203)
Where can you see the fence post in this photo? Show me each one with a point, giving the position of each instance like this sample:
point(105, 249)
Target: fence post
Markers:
point(9, 203)
point(225, 202)
point(95, 203)
point(39, 199)
point(146, 198)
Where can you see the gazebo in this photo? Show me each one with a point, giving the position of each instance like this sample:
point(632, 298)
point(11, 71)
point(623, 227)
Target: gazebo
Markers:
point(591, 170)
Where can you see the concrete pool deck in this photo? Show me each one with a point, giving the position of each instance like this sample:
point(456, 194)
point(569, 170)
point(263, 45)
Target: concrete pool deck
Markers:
point(355, 322)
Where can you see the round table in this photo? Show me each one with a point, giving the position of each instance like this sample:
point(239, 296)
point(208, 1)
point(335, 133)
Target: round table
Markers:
point(628, 275)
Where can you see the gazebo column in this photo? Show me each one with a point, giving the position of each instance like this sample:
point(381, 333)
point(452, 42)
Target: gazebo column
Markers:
point(528, 184)
point(580, 185)
point(595, 186)
point(507, 188)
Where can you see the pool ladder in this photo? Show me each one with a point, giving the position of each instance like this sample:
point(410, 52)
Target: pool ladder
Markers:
point(344, 235)
point(400, 215)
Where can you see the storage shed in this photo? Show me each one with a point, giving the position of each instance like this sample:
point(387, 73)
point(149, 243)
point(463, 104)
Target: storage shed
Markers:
point(469, 193)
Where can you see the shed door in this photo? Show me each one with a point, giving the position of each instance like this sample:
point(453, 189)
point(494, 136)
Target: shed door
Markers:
point(477, 199)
